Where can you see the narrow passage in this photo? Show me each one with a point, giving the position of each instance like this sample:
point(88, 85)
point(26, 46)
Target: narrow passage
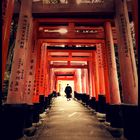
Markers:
point(70, 120)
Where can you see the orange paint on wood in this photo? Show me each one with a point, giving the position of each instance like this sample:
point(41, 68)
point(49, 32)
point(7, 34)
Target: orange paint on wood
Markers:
point(128, 70)
point(112, 69)
point(36, 84)
point(106, 74)
point(100, 69)
point(16, 88)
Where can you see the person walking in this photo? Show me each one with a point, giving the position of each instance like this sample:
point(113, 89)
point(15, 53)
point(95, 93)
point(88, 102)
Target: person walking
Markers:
point(68, 91)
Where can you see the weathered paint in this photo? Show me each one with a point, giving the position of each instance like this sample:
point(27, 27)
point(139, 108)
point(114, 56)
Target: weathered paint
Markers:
point(17, 78)
point(112, 69)
point(129, 78)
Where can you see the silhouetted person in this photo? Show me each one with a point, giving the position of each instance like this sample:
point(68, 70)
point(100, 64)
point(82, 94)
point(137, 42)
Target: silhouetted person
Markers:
point(68, 91)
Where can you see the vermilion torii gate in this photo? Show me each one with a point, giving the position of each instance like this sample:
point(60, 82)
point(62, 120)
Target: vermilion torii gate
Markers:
point(31, 69)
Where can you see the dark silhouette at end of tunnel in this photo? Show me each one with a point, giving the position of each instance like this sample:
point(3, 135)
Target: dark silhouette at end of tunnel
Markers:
point(68, 91)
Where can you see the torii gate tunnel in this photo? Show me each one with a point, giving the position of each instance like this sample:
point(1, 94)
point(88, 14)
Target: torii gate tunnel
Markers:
point(80, 49)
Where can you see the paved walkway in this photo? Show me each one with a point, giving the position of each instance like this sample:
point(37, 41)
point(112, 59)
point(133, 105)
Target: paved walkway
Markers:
point(70, 120)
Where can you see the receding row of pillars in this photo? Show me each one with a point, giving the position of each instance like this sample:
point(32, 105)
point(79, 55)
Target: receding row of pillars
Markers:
point(29, 78)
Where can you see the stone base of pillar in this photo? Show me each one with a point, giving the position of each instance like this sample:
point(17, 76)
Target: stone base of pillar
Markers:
point(92, 103)
point(36, 111)
point(41, 98)
point(46, 102)
point(50, 96)
point(42, 103)
point(108, 112)
point(84, 97)
point(114, 115)
point(101, 103)
point(12, 121)
point(29, 116)
point(131, 124)
point(87, 99)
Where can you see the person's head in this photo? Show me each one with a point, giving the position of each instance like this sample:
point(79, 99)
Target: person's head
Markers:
point(67, 84)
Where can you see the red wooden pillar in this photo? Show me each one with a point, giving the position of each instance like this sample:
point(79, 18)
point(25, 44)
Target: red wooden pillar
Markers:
point(87, 81)
point(100, 69)
point(42, 66)
point(113, 77)
point(91, 80)
point(17, 77)
point(30, 68)
point(128, 69)
point(7, 13)
point(51, 80)
point(44, 69)
point(96, 75)
point(47, 75)
point(106, 75)
point(37, 72)
point(135, 18)
point(83, 77)
point(78, 76)
point(75, 81)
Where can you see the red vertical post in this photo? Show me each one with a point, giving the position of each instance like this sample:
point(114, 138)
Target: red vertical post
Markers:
point(17, 77)
point(91, 80)
point(129, 77)
point(100, 69)
point(106, 75)
point(95, 71)
point(7, 13)
point(37, 72)
point(75, 81)
point(30, 68)
point(47, 75)
point(87, 81)
point(42, 66)
point(113, 77)
point(83, 80)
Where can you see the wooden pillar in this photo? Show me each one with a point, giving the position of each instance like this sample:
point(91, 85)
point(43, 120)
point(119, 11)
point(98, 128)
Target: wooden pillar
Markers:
point(83, 77)
point(30, 68)
point(17, 77)
point(78, 74)
point(42, 70)
point(112, 69)
point(75, 81)
point(128, 69)
point(100, 69)
point(87, 81)
point(135, 18)
point(91, 80)
point(95, 71)
point(106, 75)
point(47, 75)
point(37, 72)
point(7, 13)
point(51, 80)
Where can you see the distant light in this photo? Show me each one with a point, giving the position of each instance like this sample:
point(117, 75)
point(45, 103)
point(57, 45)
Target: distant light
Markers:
point(63, 31)
point(46, 30)
point(62, 45)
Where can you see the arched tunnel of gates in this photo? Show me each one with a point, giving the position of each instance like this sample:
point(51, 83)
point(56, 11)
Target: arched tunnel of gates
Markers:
point(29, 114)
point(113, 112)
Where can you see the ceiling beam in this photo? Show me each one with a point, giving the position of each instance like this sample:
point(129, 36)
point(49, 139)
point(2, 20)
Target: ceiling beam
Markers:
point(68, 59)
point(72, 20)
point(98, 8)
point(69, 66)
point(72, 41)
